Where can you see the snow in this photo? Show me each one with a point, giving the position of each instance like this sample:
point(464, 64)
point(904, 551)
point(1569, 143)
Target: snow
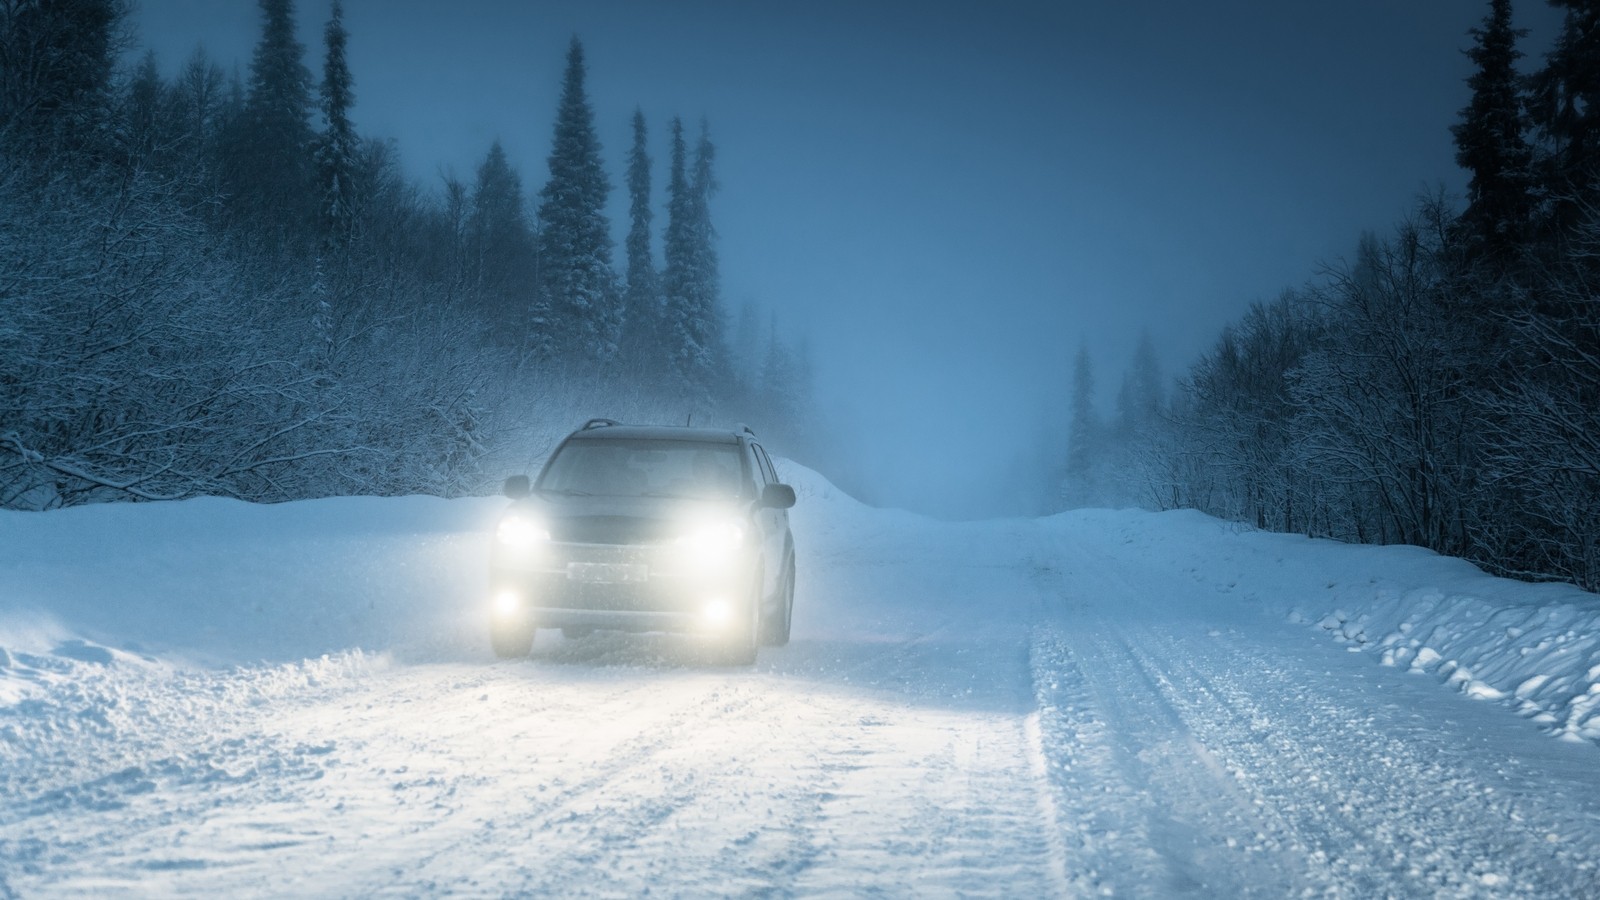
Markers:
point(219, 698)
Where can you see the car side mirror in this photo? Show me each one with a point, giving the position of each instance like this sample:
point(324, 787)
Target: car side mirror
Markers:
point(777, 496)
point(517, 487)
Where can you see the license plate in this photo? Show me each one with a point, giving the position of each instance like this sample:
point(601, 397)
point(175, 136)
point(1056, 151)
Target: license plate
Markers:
point(607, 573)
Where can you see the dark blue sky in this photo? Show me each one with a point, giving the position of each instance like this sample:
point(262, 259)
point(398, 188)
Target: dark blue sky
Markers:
point(947, 198)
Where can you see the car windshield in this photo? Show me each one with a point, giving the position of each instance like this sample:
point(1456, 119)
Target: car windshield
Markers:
point(642, 468)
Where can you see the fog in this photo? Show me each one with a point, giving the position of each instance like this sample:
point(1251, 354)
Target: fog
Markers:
point(947, 199)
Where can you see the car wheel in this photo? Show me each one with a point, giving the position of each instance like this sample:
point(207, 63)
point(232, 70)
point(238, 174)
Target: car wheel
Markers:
point(511, 641)
point(775, 630)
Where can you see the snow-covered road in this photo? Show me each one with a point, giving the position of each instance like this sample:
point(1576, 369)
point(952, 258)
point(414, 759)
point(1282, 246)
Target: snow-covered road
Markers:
point(1094, 704)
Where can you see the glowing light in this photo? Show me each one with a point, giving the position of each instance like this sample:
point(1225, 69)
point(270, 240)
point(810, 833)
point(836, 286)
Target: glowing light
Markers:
point(718, 612)
point(508, 602)
point(713, 545)
point(519, 531)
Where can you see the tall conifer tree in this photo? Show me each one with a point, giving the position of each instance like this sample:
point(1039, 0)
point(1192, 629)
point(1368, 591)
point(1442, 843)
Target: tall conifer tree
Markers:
point(501, 253)
point(1489, 138)
point(694, 322)
point(1566, 109)
point(641, 304)
point(1085, 427)
point(691, 322)
point(707, 277)
point(337, 147)
point(269, 170)
point(578, 285)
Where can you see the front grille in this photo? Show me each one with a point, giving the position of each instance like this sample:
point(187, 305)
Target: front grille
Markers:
point(611, 530)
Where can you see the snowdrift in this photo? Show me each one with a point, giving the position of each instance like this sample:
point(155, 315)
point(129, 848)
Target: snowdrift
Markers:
point(1535, 647)
point(220, 582)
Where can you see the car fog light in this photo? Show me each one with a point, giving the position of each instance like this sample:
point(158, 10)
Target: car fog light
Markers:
point(718, 612)
point(507, 603)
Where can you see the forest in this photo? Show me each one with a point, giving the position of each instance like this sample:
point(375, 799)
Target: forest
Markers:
point(1441, 389)
point(214, 285)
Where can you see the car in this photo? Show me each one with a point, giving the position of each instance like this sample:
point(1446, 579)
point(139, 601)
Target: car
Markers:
point(647, 528)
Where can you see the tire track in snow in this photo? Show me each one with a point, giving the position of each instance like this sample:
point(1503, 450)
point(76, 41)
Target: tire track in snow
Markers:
point(706, 793)
point(1164, 719)
point(1385, 816)
point(1148, 811)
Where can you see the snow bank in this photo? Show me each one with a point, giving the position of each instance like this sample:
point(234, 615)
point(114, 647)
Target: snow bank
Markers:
point(1534, 647)
point(219, 581)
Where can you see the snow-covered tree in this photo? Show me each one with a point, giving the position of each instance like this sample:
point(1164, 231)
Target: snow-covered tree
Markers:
point(337, 147)
point(1083, 436)
point(693, 320)
point(269, 172)
point(1140, 400)
point(1381, 401)
point(641, 326)
point(1235, 428)
point(500, 251)
point(575, 275)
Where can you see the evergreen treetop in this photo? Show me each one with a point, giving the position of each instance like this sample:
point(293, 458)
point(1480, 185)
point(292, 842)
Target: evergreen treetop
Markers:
point(337, 148)
point(1490, 141)
point(575, 235)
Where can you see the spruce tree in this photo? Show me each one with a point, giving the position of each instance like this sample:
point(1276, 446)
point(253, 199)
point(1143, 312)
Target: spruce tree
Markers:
point(337, 147)
point(693, 325)
point(578, 285)
point(1084, 435)
point(1140, 401)
point(641, 304)
point(1489, 138)
point(688, 351)
point(269, 166)
point(707, 277)
point(1565, 108)
point(500, 253)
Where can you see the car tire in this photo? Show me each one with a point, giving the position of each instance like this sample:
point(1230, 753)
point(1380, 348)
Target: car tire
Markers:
point(775, 630)
point(511, 641)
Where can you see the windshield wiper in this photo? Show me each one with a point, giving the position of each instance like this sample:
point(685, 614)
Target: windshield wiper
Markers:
point(566, 492)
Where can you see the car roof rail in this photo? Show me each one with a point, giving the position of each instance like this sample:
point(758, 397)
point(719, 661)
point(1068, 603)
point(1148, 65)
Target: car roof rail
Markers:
point(598, 423)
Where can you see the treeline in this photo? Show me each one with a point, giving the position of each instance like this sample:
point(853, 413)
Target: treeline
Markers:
point(215, 285)
point(1443, 388)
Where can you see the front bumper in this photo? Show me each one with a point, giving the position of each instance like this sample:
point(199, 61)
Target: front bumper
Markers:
point(621, 587)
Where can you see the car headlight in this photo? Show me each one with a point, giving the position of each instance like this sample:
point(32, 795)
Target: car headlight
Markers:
point(517, 530)
point(713, 544)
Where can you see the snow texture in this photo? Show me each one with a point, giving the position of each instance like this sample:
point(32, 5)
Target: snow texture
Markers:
point(214, 698)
